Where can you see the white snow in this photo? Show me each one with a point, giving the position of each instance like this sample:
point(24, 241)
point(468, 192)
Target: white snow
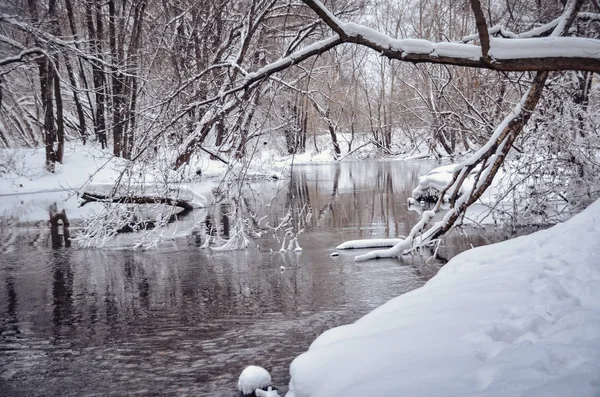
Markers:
point(500, 48)
point(458, 50)
point(563, 47)
point(437, 181)
point(368, 243)
point(413, 46)
point(253, 377)
point(518, 318)
point(438, 178)
point(81, 164)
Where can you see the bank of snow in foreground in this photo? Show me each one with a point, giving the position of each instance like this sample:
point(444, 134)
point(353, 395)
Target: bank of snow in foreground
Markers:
point(518, 318)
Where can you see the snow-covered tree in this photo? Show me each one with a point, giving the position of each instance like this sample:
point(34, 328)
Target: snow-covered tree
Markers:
point(176, 78)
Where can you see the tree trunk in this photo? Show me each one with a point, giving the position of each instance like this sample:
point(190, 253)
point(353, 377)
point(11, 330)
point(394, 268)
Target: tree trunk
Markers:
point(81, 73)
point(95, 34)
point(128, 136)
point(60, 122)
point(78, 105)
point(46, 85)
point(117, 108)
point(47, 88)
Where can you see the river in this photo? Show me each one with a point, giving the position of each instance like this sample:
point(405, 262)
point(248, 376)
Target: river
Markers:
point(180, 320)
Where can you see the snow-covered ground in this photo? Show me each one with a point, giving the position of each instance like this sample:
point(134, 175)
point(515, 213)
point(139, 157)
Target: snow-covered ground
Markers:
point(27, 190)
point(518, 318)
point(28, 175)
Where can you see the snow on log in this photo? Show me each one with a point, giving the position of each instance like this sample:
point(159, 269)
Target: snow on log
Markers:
point(402, 245)
point(437, 179)
point(179, 195)
point(369, 243)
point(91, 197)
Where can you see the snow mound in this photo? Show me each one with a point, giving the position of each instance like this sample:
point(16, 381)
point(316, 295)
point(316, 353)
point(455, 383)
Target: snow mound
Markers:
point(518, 318)
point(252, 378)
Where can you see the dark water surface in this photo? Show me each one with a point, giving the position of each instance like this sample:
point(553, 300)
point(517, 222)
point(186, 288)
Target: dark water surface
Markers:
point(180, 320)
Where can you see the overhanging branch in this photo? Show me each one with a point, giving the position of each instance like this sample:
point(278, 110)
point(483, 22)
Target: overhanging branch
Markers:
point(508, 55)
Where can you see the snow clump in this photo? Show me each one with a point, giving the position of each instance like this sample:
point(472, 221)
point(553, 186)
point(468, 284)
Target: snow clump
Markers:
point(253, 377)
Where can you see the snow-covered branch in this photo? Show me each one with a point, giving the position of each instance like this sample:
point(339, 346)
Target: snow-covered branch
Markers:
point(21, 57)
point(52, 41)
point(530, 54)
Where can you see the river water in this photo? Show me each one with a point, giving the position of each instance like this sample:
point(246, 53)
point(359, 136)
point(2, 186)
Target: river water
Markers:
point(180, 320)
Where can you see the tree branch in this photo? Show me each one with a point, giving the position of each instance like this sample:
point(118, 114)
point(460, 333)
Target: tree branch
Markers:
point(20, 57)
point(509, 55)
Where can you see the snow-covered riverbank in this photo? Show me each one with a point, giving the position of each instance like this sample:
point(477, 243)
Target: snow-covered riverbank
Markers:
point(27, 189)
point(518, 318)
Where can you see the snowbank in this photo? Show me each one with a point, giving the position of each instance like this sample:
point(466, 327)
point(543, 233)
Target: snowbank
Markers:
point(518, 318)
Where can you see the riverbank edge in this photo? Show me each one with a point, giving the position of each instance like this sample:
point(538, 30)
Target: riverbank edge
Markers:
point(521, 317)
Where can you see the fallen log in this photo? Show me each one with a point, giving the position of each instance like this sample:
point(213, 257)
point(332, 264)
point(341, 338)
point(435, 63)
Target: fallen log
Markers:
point(92, 197)
point(140, 225)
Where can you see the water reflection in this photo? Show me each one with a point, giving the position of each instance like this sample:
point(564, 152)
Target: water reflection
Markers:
point(62, 294)
point(180, 320)
point(370, 197)
point(12, 320)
